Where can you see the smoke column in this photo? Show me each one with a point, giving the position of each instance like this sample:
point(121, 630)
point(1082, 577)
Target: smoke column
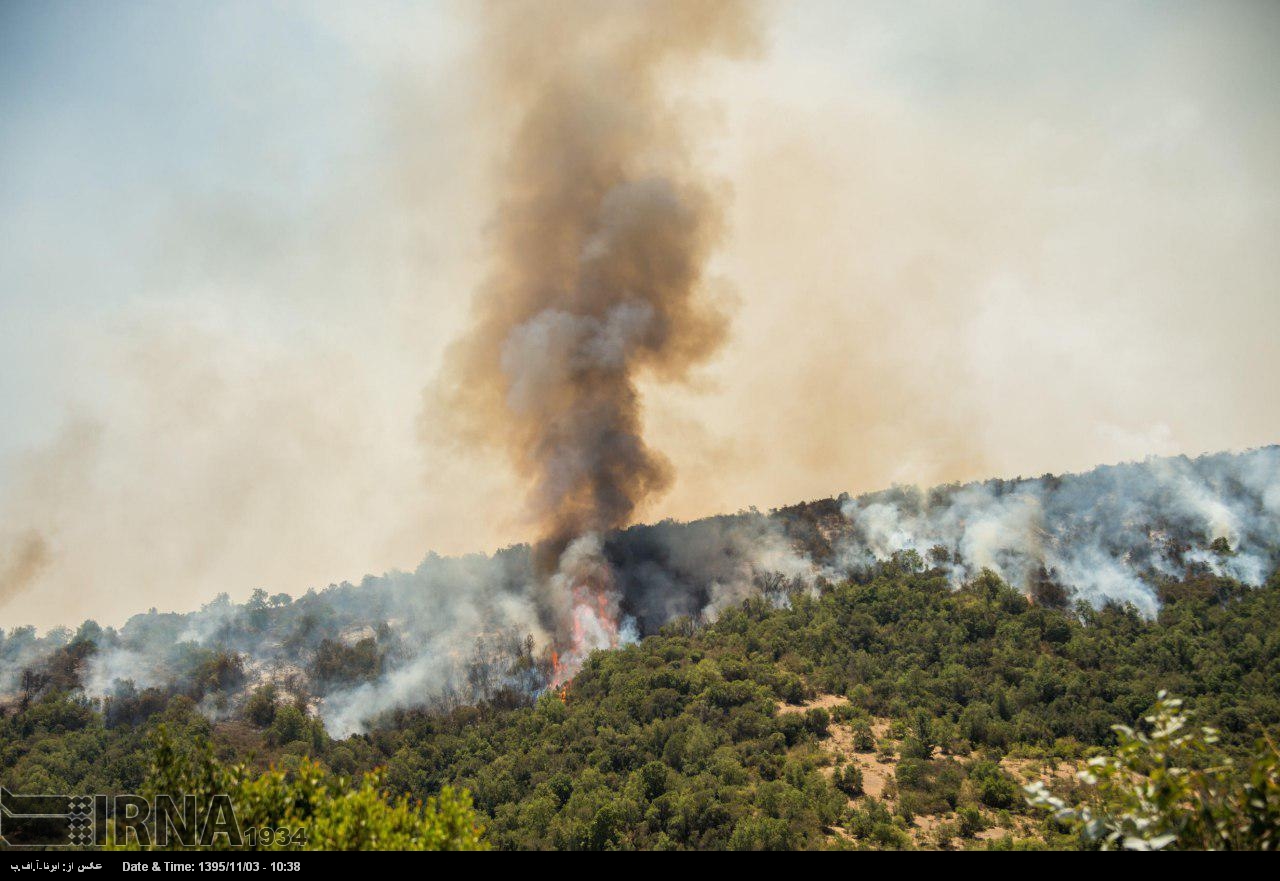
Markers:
point(600, 240)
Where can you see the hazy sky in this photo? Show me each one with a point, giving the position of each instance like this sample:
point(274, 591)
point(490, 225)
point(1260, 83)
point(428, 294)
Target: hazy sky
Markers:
point(965, 239)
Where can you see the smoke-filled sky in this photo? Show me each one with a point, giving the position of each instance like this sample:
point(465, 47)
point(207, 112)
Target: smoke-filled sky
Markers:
point(956, 240)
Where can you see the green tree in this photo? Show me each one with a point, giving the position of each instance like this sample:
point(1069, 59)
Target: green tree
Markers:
point(305, 810)
point(1171, 786)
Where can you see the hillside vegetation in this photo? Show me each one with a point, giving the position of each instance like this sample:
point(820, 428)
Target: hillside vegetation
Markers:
point(890, 711)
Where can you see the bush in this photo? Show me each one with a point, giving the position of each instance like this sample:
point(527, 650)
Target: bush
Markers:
point(818, 721)
point(994, 787)
point(289, 724)
point(848, 779)
point(260, 708)
point(970, 821)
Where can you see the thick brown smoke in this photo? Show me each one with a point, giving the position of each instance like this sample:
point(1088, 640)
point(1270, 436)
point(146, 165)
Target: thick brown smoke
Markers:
point(599, 243)
point(21, 563)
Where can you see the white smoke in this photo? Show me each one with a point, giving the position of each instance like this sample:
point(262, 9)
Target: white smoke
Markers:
point(461, 630)
point(113, 665)
point(1102, 535)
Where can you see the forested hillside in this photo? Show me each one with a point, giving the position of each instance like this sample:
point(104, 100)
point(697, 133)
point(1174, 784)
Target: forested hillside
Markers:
point(472, 630)
point(885, 711)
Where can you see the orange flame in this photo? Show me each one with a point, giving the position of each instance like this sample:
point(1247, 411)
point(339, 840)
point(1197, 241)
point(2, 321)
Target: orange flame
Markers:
point(593, 625)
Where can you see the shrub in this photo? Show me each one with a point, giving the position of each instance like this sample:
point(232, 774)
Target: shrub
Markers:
point(970, 821)
point(848, 779)
point(260, 708)
point(818, 721)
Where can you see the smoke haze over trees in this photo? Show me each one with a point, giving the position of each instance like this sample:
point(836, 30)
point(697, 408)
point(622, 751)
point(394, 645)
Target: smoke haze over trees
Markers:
point(457, 630)
point(889, 710)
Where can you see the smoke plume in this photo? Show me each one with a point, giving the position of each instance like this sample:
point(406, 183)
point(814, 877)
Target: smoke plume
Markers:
point(600, 243)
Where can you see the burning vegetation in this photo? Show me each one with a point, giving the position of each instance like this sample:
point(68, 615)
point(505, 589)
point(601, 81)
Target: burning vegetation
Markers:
point(462, 630)
point(600, 241)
